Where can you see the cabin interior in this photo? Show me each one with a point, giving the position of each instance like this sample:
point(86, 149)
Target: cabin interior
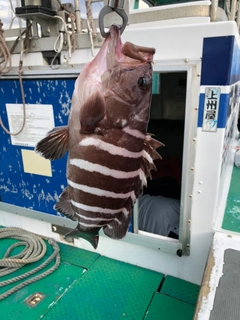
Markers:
point(167, 121)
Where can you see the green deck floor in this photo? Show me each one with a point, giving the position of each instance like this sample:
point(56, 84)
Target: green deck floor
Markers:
point(88, 286)
point(231, 220)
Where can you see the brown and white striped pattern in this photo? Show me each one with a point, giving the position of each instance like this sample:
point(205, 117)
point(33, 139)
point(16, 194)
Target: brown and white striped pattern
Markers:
point(104, 182)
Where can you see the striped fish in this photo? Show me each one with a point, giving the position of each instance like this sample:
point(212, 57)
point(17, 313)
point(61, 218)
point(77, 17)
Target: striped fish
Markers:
point(110, 152)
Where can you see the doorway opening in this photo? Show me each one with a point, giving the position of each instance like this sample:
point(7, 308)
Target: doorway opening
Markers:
point(158, 210)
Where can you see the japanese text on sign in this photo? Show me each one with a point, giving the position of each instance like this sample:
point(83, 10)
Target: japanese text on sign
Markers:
point(39, 120)
point(211, 107)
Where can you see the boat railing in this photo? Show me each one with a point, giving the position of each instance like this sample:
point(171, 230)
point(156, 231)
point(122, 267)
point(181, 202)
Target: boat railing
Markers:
point(230, 8)
point(81, 29)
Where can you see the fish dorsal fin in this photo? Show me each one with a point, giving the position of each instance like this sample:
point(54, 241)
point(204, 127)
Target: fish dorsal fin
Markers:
point(153, 142)
point(149, 154)
point(55, 144)
point(92, 111)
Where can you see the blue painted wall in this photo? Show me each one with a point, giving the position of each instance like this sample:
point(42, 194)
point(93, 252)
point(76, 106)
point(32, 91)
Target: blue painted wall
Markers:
point(17, 187)
point(220, 67)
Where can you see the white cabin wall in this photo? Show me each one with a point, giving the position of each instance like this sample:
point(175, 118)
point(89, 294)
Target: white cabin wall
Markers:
point(187, 268)
point(205, 191)
point(185, 42)
point(178, 41)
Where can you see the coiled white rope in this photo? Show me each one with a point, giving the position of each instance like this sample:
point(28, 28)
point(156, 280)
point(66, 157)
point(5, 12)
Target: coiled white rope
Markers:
point(35, 249)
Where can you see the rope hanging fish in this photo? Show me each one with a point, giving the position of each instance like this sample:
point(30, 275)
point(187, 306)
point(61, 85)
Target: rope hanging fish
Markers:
point(110, 153)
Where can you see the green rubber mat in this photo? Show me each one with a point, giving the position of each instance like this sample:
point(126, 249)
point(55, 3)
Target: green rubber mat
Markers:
point(76, 256)
point(167, 308)
point(108, 290)
point(231, 220)
point(180, 289)
point(88, 286)
point(52, 287)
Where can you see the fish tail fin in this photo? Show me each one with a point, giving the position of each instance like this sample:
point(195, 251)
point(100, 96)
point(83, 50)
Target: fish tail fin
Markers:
point(92, 238)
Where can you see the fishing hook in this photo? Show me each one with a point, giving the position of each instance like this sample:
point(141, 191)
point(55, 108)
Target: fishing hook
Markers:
point(113, 6)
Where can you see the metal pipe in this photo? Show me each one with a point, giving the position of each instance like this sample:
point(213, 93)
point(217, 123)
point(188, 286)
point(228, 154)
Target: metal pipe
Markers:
point(135, 217)
point(233, 10)
point(78, 15)
point(213, 13)
point(32, 3)
point(238, 16)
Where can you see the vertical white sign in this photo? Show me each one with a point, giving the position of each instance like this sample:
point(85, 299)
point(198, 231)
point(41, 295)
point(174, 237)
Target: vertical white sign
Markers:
point(211, 108)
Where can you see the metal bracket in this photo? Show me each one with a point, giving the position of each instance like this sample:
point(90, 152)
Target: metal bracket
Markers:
point(113, 6)
point(63, 231)
point(34, 299)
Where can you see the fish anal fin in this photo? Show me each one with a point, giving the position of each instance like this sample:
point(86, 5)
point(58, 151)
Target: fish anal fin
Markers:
point(55, 144)
point(92, 111)
point(64, 205)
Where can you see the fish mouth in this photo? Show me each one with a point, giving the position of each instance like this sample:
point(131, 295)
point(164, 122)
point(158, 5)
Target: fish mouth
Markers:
point(129, 54)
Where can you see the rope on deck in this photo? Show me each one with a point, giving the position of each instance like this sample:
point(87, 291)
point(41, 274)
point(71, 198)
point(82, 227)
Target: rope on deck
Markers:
point(35, 249)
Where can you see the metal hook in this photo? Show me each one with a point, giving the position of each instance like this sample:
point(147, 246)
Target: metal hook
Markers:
point(108, 9)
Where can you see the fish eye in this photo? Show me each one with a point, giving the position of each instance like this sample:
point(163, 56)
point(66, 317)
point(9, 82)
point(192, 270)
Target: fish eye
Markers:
point(143, 83)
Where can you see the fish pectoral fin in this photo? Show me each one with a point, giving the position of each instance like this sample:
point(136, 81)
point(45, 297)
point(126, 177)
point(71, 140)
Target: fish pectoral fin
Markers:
point(92, 111)
point(55, 144)
point(64, 205)
point(91, 236)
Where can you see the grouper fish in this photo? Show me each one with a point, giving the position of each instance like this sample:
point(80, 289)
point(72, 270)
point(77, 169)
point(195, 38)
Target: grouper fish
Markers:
point(110, 154)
